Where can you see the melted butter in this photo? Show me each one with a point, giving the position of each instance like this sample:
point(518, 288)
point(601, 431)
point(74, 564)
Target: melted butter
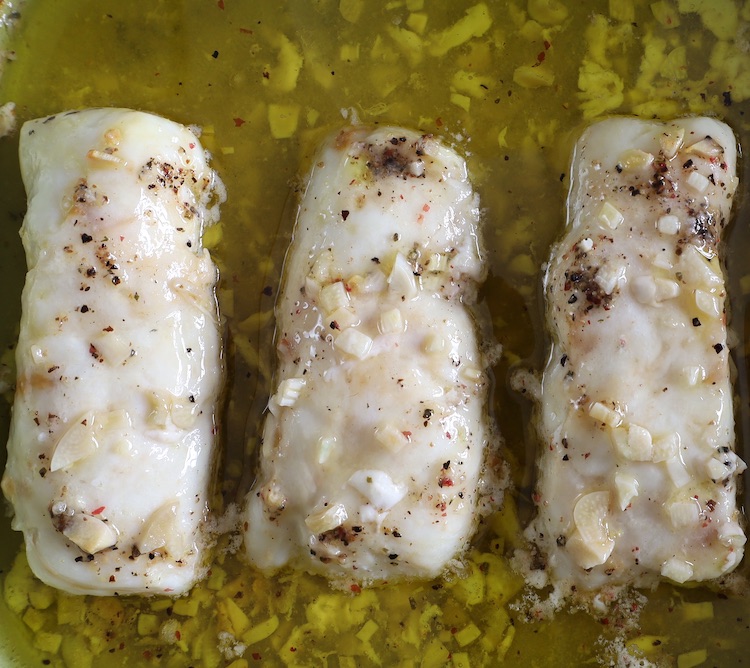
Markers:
point(266, 83)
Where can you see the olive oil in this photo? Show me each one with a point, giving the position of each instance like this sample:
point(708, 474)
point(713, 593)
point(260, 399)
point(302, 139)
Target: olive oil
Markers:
point(510, 83)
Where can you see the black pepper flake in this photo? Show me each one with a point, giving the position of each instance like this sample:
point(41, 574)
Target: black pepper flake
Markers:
point(344, 214)
point(696, 322)
point(563, 360)
point(268, 291)
point(116, 280)
point(718, 348)
point(565, 458)
point(727, 95)
point(688, 164)
point(85, 238)
point(215, 54)
point(376, 260)
point(84, 309)
point(392, 556)
point(189, 244)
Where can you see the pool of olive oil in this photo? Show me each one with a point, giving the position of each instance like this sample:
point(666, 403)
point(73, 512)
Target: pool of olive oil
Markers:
point(510, 83)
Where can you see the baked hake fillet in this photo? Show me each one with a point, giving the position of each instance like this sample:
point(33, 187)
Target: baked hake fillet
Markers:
point(373, 457)
point(111, 447)
point(638, 475)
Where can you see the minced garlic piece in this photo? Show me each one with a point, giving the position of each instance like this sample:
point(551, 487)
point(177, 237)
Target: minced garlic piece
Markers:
point(327, 519)
point(289, 391)
point(602, 413)
point(610, 216)
point(354, 343)
point(333, 296)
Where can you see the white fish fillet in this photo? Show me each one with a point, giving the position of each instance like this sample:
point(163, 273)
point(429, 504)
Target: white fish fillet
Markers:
point(638, 475)
point(111, 451)
point(373, 460)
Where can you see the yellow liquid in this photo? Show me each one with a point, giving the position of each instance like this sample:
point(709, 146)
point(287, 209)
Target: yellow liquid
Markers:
point(230, 67)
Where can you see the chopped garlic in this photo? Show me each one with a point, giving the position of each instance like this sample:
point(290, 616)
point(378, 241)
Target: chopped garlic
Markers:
point(378, 488)
point(666, 447)
point(626, 486)
point(677, 471)
point(391, 437)
point(668, 224)
point(610, 216)
point(402, 280)
point(633, 442)
point(326, 445)
point(716, 469)
point(683, 513)
point(706, 148)
point(591, 543)
point(676, 569)
point(609, 276)
point(635, 159)
point(333, 296)
point(437, 262)
point(707, 303)
point(433, 343)
point(354, 343)
point(391, 322)
point(671, 142)
point(327, 519)
point(698, 182)
point(602, 413)
point(90, 533)
point(289, 391)
point(343, 317)
point(666, 289)
point(694, 374)
point(77, 443)
point(159, 529)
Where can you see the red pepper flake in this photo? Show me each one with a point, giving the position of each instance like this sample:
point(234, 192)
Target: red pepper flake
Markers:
point(445, 482)
point(547, 45)
point(178, 635)
point(246, 31)
point(356, 589)
point(112, 578)
point(98, 510)
point(407, 435)
point(540, 57)
point(220, 4)
point(147, 654)
point(191, 145)
point(239, 122)
point(587, 455)
point(292, 649)
point(426, 208)
point(257, 656)
point(439, 122)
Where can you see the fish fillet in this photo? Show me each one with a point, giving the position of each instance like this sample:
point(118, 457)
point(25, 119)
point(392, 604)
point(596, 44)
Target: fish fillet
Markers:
point(374, 457)
point(112, 441)
point(638, 474)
